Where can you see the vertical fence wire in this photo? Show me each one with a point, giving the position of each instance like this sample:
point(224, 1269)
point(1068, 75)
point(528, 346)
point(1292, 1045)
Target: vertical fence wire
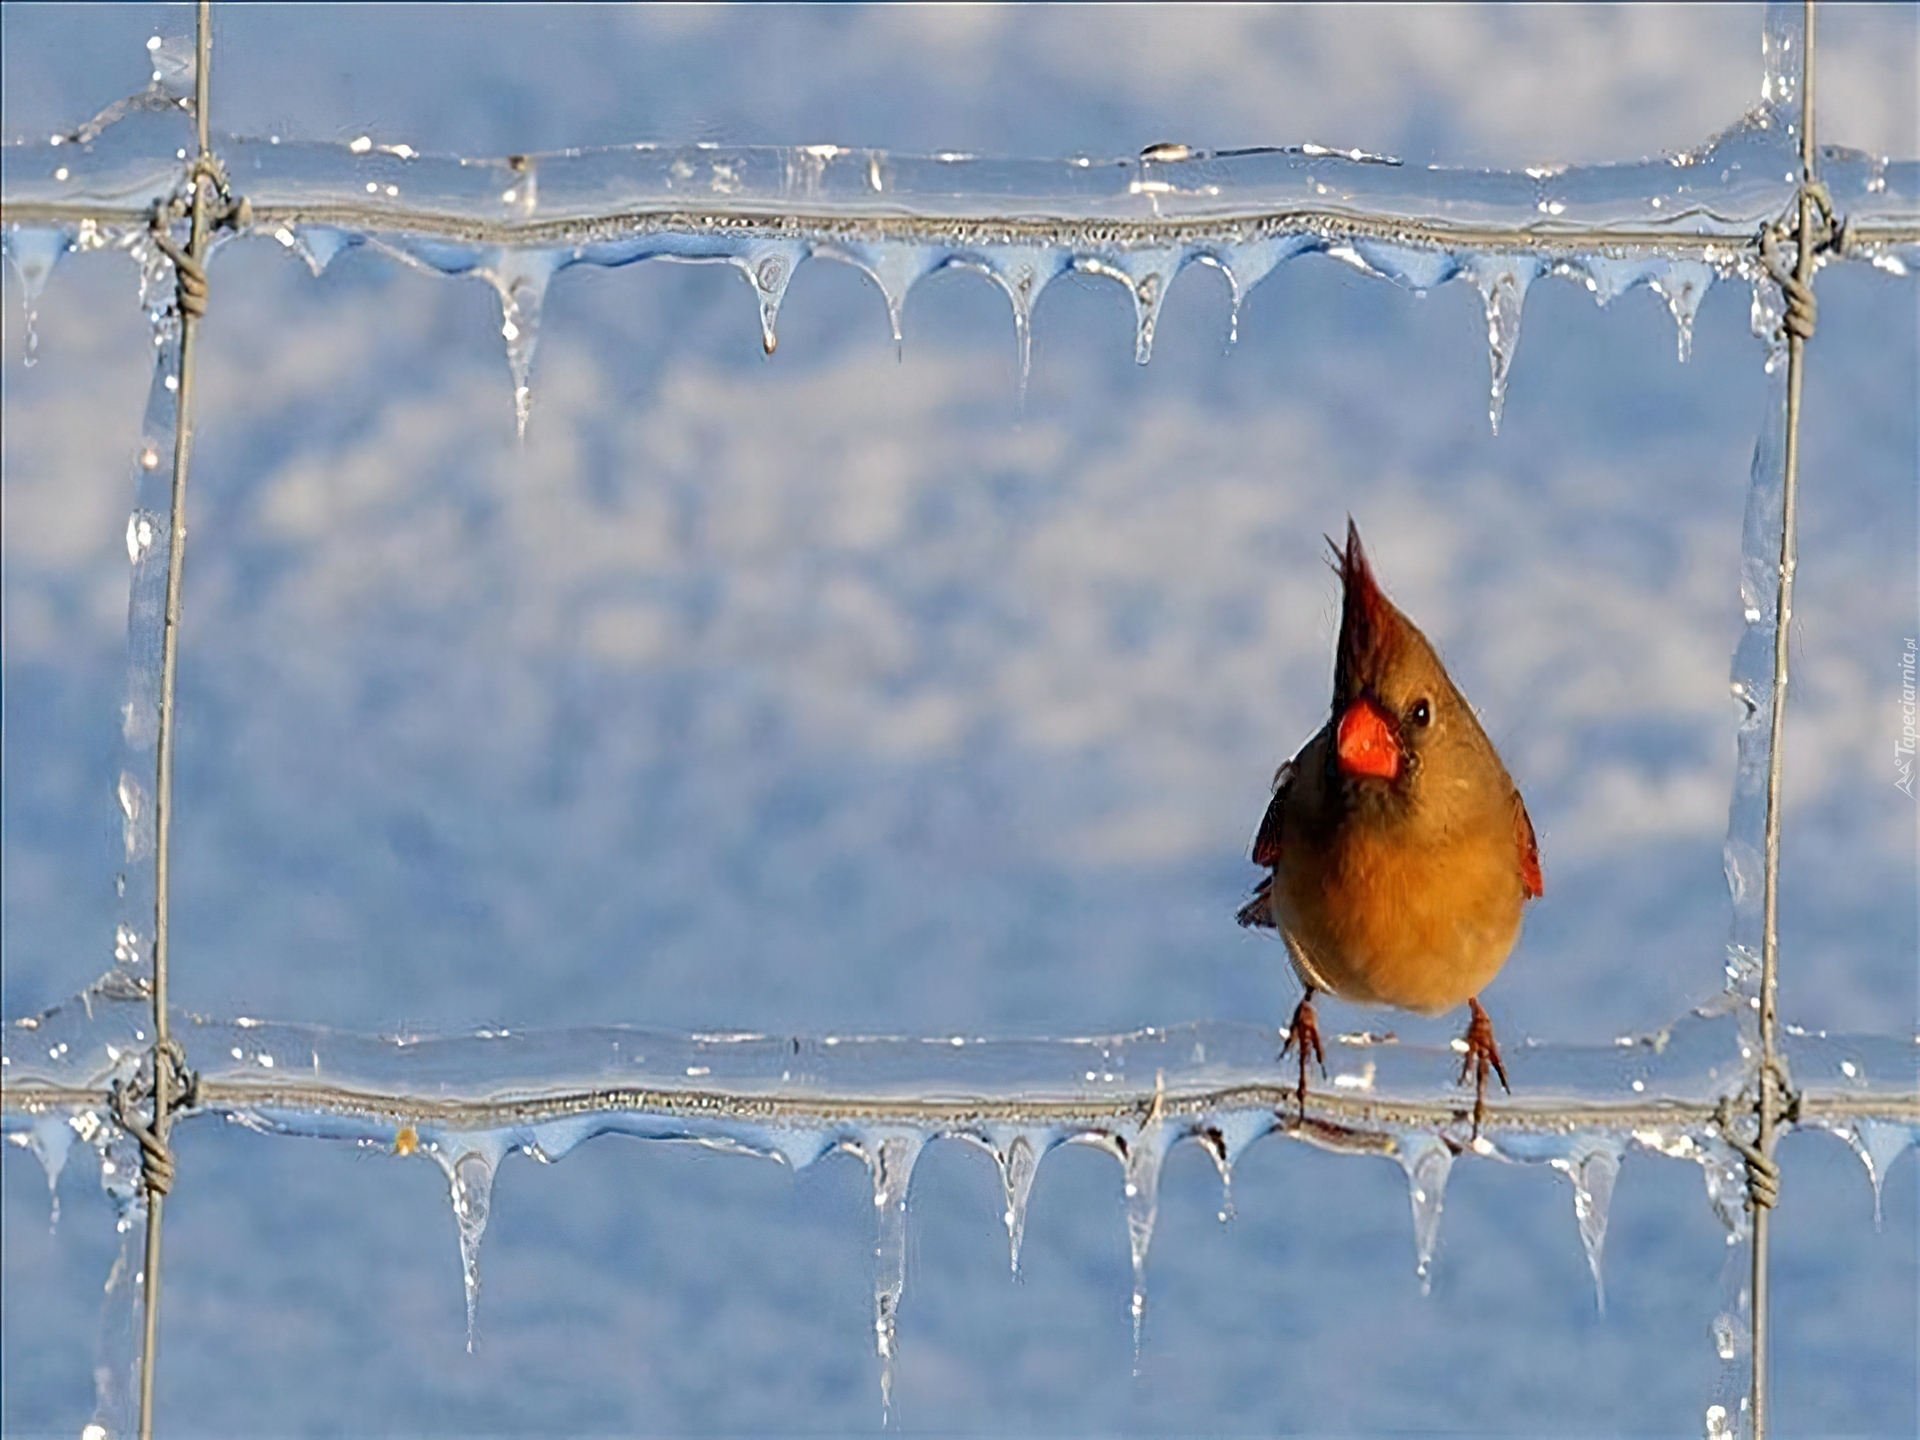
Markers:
point(163, 1067)
point(1771, 1100)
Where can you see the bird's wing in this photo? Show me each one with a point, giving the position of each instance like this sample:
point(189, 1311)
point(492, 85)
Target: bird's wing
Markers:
point(1266, 845)
point(1531, 880)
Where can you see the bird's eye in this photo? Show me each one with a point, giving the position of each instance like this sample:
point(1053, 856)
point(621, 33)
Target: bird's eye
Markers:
point(1421, 713)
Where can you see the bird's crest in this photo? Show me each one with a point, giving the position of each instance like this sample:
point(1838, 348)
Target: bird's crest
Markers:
point(1370, 628)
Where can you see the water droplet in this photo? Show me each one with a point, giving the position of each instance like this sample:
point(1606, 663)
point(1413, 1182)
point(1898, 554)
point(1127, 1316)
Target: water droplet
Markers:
point(769, 269)
point(142, 530)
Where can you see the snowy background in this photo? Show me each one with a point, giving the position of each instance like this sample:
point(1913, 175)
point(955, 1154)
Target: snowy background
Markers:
point(832, 692)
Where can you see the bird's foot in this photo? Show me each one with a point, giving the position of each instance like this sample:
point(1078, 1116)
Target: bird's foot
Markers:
point(1482, 1056)
point(1303, 1034)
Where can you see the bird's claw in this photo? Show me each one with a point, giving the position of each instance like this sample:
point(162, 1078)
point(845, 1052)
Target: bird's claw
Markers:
point(1303, 1032)
point(1482, 1056)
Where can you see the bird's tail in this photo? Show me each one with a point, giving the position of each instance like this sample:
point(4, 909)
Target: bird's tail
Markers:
point(1257, 913)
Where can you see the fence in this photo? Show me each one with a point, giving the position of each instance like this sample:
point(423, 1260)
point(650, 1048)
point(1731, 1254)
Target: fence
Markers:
point(110, 1069)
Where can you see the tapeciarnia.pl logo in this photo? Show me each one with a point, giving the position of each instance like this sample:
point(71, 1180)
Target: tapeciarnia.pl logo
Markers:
point(1903, 748)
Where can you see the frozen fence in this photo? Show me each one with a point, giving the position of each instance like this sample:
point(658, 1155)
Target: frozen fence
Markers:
point(1677, 225)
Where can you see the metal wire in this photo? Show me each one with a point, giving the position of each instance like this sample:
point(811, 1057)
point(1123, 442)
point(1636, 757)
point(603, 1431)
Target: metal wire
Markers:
point(1799, 330)
point(164, 1067)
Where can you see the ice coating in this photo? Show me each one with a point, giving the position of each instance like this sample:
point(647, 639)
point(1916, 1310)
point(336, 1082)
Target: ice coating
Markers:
point(1675, 223)
point(468, 1101)
point(1436, 242)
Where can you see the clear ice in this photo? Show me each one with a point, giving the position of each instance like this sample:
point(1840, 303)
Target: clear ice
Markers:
point(1675, 224)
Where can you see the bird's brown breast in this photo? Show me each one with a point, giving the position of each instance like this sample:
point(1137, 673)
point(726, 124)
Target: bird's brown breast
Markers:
point(1418, 922)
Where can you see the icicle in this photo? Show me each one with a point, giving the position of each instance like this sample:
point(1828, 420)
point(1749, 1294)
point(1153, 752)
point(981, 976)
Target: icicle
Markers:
point(1147, 274)
point(50, 1138)
point(1018, 1159)
point(1142, 1189)
point(1502, 281)
point(521, 277)
point(1215, 1144)
point(1683, 284)
point(769, 269)
point(1593, 1165)
point(895, 266)
point(470, 1182)
point(1878, 1143)
point(33, 253)
point(1248, 264)
point(1140, 1153)
point(891, 1162)
point(1426, 1158)
point(1023, 272)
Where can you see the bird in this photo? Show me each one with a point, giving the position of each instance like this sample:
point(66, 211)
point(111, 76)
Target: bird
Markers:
point(1399, 853)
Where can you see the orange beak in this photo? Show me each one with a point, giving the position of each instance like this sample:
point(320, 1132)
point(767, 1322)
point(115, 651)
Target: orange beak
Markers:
point(1365, 742)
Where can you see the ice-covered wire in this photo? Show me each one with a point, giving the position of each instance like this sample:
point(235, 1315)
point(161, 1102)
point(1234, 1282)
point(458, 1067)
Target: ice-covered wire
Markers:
point(1763, 1175)
point(192, 284)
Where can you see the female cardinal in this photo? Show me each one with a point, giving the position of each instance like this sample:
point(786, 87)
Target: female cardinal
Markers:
point(1399, 851)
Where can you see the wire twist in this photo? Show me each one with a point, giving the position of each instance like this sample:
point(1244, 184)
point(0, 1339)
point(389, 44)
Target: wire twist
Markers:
point(1803, 310)
point(1763, 1171)
point(234, 213)
point(156, 1155)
